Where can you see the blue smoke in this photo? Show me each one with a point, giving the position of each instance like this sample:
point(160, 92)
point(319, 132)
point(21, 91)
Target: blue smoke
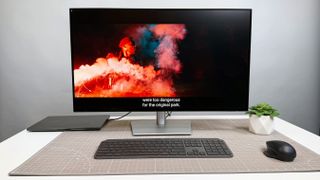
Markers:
point(148, 43)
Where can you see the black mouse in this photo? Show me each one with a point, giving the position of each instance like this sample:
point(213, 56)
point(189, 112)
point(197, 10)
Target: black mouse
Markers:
point(280, 150)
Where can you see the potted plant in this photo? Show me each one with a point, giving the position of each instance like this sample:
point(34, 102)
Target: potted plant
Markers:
point(261, 118)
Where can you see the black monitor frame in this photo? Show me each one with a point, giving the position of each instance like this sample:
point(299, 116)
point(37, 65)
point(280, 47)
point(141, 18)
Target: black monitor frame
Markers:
point(188, 103)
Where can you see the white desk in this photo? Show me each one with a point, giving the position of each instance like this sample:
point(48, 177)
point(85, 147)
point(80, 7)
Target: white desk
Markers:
point(21, 146)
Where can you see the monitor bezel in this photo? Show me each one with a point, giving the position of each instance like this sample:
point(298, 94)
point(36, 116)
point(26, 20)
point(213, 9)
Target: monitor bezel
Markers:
point(98, 105)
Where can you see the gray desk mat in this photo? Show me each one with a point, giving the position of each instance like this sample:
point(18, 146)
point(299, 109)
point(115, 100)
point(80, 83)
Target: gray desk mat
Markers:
point(71, 153)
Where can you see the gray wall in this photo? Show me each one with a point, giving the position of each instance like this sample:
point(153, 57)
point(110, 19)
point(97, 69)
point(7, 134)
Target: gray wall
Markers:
point(35, 71)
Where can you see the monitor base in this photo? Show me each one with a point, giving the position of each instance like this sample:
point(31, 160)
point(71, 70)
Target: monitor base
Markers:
point(171, 127)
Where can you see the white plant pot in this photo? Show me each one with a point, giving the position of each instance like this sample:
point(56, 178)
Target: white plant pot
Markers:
point(261, 125)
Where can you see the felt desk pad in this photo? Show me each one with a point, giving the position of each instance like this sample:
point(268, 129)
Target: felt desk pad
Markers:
point(71, 153)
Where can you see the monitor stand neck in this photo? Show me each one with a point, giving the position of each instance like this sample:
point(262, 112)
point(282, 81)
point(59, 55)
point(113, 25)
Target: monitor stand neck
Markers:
point(161, 118)
point(161, 127)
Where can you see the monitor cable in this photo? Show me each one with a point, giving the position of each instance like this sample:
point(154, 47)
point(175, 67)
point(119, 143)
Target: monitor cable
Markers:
point(168, 113)
point(120, 117)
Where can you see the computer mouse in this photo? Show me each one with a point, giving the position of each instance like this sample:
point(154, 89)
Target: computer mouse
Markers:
point(280, 150)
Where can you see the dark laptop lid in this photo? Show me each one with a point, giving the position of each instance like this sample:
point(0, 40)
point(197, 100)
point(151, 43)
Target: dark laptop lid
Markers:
point(70, 123)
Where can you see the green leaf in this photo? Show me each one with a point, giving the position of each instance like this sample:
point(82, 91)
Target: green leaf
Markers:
point(263, 109)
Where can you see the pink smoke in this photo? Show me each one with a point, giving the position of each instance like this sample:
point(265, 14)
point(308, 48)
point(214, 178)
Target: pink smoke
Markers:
point(167, 50)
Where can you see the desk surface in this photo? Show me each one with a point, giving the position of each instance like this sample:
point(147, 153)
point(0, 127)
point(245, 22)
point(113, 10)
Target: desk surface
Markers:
point(20, 147)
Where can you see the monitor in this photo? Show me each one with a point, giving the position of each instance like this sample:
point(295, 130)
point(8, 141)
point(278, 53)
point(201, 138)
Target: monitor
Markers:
point(160, 60)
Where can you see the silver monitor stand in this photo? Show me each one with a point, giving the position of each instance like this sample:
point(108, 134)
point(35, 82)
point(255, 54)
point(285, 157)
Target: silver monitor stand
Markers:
point(162, 127)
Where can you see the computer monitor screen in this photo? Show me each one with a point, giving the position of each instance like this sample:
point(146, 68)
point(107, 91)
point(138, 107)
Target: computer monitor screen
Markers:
point(160, 59)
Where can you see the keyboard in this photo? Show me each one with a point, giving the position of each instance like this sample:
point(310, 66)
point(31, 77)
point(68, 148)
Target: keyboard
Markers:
point(163, 148)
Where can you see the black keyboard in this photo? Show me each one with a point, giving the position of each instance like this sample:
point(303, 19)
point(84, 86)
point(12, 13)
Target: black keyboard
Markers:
point(163, 148)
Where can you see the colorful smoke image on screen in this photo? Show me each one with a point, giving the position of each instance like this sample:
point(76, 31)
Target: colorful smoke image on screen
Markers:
point(143, 66)
point(159, 59)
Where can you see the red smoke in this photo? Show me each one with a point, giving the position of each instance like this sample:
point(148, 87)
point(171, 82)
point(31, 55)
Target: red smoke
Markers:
point(120, 77)
point(128, 48)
